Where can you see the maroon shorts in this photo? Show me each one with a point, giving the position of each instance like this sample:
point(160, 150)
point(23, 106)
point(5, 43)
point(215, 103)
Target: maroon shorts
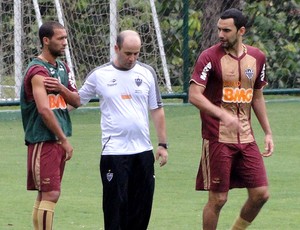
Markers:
point(224, 166)
point(45, 166)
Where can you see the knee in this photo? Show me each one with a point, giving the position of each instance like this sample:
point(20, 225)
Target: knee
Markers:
point(218, 201)
point(221, 201)
point(52, 196)
point(264, 197)
point(261, 197)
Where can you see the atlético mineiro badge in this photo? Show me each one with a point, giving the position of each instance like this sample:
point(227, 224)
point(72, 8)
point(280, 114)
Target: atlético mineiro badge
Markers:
point(109, 175)
point(138, 81)
point(249, 73)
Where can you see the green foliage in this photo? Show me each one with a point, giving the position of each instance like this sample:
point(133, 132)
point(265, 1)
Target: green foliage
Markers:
point(171, 23)
point(275, 30)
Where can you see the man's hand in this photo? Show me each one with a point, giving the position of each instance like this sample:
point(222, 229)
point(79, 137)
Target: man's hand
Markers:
point(52, 84)
point(231, 121)
point(68, 148)
point(161, 153)
point(269, 146)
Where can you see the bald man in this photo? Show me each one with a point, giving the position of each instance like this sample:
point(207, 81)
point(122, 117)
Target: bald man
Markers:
point(127, 91)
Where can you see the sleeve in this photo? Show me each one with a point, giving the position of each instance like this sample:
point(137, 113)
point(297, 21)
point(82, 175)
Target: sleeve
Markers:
point(88, 90)
point(155, 99)
point(32, 71)
point(202, 69)
point(71, 79)
point(37, 70)
point(261, 80)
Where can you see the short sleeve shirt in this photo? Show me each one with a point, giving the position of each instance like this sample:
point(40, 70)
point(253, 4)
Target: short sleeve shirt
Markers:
point(125, 97)
point(229, 83)
point(33, 124)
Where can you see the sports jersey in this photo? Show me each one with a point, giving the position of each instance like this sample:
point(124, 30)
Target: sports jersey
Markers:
point(34, 127)
point(229, 83)
point(125, 96)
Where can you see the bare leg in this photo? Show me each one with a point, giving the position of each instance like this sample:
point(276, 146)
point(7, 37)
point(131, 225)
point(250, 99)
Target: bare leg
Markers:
point(212, 210)
point(52, 196)
point(257, 197)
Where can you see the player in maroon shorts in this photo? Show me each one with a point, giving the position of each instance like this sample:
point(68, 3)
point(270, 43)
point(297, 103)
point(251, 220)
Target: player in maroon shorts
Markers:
point(47, 88)
point(226, 83)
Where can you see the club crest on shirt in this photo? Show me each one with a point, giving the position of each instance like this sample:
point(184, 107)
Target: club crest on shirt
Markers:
point(109, 176)
point(249, 73)
point(52, 71)
point(138, 81)
point(61, 68)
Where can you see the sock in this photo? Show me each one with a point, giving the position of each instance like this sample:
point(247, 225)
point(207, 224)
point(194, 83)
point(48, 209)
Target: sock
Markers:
point(240, 224)
point(45, 215)
point(35, 215)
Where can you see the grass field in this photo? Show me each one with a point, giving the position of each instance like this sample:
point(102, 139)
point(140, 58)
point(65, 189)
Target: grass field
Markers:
point(177, 206)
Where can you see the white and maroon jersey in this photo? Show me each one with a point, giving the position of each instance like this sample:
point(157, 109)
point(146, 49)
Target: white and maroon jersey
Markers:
point(125, 97)
point(229, 83)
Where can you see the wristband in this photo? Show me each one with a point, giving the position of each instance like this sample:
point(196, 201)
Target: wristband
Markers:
point(164, 145)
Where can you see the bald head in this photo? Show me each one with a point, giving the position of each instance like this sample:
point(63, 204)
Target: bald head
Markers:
point(128, 36)
point(127, 49)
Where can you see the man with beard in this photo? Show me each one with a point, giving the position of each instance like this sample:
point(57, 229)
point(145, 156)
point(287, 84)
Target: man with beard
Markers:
point(226, 84)
point(47, 88)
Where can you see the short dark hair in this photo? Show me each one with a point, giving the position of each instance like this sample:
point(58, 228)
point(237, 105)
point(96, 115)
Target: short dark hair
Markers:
point(239, 19)
point(47, 30)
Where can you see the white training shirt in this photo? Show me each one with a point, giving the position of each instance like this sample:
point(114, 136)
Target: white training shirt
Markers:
point(125, 97)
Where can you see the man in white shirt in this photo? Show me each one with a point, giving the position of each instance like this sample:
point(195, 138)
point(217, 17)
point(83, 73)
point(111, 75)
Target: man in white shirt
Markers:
point(127, 90)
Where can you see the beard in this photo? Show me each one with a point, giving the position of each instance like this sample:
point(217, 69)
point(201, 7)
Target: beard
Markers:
point(228, 44)
point(55, 52)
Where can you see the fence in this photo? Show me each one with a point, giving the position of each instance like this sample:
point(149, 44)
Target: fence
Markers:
point(173, 33)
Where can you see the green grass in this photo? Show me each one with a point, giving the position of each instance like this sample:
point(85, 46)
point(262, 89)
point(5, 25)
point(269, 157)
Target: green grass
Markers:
point(177, 206)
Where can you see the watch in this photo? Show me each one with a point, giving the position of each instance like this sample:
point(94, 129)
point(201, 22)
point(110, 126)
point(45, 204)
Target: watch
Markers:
point(164, 145)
